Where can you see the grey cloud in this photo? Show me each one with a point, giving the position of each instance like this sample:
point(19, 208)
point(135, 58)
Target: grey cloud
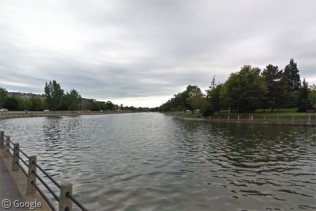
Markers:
point(125, 49)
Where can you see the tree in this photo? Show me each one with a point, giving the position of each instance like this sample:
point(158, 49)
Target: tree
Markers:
point(194, 97)
point(303, 99)
point(245, 89)
point(109, 106)
point(213, 97)
point(12, 103)
point(54, 95)
point(72, 100)
point(312, 95)
point(291, 72)
point(275, 93)
point(3, 96)
point(37, 104)
point(28, 104)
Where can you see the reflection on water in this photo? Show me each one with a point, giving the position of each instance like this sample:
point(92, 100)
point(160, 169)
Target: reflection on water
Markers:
point(150, 161)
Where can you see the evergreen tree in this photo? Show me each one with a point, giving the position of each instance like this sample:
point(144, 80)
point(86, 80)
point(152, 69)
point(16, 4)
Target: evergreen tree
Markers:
point(291, 72)
point(303, 99)
point(275, 92)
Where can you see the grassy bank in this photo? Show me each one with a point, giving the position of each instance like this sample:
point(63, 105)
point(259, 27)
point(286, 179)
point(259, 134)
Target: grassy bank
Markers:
point(287, 118)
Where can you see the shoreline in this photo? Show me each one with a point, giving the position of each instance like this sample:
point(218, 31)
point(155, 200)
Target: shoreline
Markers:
point(257, 122)
point(32, 114)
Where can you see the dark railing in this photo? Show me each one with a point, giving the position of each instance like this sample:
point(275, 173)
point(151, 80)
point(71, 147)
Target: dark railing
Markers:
point(65, 199)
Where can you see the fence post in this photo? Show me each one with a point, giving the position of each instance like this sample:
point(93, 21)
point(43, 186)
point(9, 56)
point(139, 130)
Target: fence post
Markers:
point(6, 147)
point(1, 139)
point(15, 157)
point(31, 178)
point(238, 118)
point(65, 204)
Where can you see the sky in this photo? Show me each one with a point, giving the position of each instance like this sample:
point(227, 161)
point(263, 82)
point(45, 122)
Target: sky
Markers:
point(142, 52)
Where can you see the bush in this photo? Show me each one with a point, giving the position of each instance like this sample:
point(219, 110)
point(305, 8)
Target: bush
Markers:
point(305, 107)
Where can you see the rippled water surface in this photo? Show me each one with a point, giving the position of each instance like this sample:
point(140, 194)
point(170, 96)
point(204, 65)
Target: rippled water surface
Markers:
point(149, 161)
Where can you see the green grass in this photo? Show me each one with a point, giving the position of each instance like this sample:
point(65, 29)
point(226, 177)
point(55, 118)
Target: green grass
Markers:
point(284, 115)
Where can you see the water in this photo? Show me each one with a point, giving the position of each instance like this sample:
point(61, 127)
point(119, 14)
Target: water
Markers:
point(149, 161)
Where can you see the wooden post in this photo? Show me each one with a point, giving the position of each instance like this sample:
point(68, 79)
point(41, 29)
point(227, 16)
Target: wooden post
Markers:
point(1, 139)
point(238, 118)
point(6, 147)
point(31, 178)
point(65, 204)
point(15, 158)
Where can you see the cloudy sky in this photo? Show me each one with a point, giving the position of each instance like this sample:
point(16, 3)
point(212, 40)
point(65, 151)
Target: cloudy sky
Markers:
point(141, 52)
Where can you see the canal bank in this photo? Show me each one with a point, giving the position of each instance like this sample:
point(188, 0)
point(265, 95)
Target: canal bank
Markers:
point(284, 119)
point(23, 114)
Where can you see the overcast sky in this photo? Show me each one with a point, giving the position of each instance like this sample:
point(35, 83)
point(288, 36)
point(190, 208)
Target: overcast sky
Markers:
point(140, 53)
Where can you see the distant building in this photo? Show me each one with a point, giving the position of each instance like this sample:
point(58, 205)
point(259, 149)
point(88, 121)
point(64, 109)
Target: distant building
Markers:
point(26, 95)
point(86, 104)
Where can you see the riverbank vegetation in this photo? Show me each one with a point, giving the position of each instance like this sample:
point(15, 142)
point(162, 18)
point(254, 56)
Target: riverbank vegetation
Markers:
point(247, 91)
point(55, 99)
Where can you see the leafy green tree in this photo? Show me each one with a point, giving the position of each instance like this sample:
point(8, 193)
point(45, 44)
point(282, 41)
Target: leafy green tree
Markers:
point(312, 95)
point(213, 97)
point(109, 106)
point(246, 89)
point(28, 104)
point(3, 96)
point(12, 103)
point(37, 104)
point(194, 97)
point(54, 95)
point(292, 75)
point(72, 100)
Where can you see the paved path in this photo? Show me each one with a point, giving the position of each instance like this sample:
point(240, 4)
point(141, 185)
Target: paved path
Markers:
point(8, 188)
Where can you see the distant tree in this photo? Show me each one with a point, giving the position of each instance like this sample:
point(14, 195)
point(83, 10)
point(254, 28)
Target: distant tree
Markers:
point(291, 72)
point(275, 92)
point(194, 98)
point(72, 100)
point(28, 104)
point(213, 97)
point(54, 95)
point(246, 89)
point(37, 104)
point(312, 95)
point(304, 103)
point(12, 103)
point(3, 96)
point(109, 106)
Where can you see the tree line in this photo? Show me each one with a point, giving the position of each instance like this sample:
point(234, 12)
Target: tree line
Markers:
point(247, 90)
point(55, 99)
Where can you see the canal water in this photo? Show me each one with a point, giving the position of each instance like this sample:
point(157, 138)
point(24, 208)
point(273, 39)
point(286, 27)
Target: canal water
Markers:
point(150, 161)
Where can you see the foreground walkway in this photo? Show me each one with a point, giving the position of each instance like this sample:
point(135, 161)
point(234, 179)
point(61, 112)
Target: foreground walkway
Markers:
point(8, 188)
